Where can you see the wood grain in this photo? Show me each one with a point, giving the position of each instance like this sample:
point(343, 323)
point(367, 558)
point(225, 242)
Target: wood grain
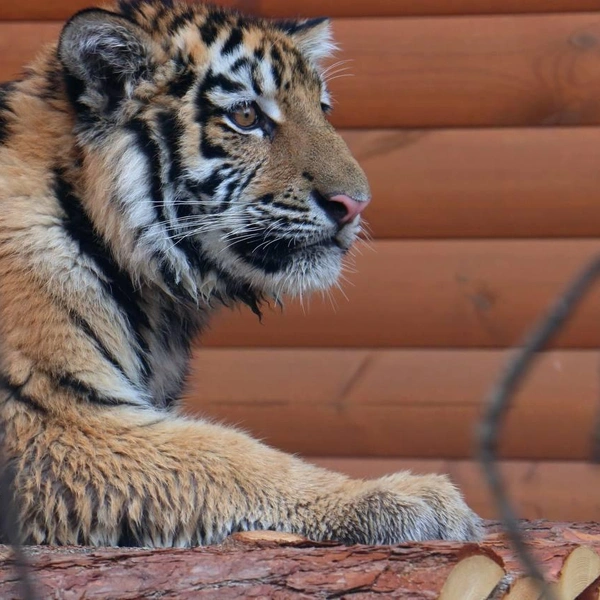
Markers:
point(268, 564)
point(524, 182)
point(438, 72)
point(449, 72)
point(61, 9)
point(563, 490)
point(237, 571)
point(19, 44)
point(469, 294)
point(411, 403)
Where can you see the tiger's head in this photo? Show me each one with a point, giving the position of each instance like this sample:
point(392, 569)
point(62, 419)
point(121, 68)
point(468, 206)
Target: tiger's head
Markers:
point(208, 158)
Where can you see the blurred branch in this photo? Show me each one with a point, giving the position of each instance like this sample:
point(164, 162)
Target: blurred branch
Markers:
point(500, 400)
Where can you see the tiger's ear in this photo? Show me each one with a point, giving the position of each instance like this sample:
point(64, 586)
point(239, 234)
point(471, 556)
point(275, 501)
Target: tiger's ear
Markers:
point(106, 52)
point(312, 36)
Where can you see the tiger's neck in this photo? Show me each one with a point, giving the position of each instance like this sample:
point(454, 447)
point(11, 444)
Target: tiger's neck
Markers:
point(110, 313)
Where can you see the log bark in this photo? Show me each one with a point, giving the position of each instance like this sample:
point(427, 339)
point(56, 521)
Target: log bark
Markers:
point(268, 565)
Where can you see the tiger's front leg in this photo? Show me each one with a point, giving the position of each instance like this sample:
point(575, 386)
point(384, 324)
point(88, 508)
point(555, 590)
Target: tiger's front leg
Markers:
point(165, 481)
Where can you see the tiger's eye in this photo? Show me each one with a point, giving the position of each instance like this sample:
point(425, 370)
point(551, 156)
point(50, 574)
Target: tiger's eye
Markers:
point(245, 117)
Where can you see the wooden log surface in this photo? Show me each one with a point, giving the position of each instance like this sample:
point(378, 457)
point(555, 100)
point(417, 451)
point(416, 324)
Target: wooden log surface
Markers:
point(61, 9)
point(482, 71)
point(444, 294)
point(400, 403)
point(437, 72)
point(481, 183)
point(279, 572)
point(246, 567)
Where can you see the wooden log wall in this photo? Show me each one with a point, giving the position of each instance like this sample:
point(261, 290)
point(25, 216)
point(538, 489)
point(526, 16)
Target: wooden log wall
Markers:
point(478, 123)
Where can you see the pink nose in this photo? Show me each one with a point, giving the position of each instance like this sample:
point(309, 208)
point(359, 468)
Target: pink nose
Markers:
point(353, 207)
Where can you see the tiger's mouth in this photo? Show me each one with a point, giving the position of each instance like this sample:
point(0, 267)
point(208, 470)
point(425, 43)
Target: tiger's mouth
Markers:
point(272, 253)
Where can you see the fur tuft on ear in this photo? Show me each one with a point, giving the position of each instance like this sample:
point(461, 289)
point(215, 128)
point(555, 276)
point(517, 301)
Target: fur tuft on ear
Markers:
point(105, 51)
point(312, 36)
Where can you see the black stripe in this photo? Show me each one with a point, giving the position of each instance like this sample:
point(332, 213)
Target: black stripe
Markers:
point(292, 27)
point(255, 83)
point(179, 87)
point(116, 282)
point(151, 151)
point(243, 61)
point(169, 276)
point(128, 8)
point(171, 131)
point(293, 207)
point(249, 179)
point(207, 110)
point(208, 186)
point(229, 189)
point(234, 40)
point(81, 323)
point(180, 20)
point(266, 199)
point(212, 81)
point(236, 292)
point(277, 66)
point(16, 393)
point(4, 129)
point(226, 84)
point(209, 30)
point(131, 533)
point(301, 71)
point(209, 149)
point(89, 394)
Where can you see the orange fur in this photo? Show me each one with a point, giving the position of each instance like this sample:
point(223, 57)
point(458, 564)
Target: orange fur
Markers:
point(105, 279)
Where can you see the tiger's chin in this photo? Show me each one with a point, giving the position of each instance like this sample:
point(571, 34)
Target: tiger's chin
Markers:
point(283, 266)
point(275, 272)
point(311, 270)
point(301, 272)
point(310, 267)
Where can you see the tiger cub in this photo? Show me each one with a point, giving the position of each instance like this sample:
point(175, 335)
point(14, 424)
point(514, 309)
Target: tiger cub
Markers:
point(162, 159)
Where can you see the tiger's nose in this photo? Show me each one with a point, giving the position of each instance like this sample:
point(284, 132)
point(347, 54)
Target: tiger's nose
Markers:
point(353, 207)
point(341, 208)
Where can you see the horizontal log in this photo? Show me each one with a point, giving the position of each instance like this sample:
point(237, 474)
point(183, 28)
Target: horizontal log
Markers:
point(395, 403)
point(431, 293)
point(274, 566)
point(481, 71)
point(249, 572)
point(61, 9)
point(20, 43)
point(523, 182)
point(561, 491)
point(501, 71)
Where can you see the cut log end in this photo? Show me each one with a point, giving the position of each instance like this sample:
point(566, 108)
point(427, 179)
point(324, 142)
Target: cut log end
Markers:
point(575, 580)
point(473, 578)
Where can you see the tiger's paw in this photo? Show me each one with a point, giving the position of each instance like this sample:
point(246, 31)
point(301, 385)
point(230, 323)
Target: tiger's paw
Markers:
point(405, 507)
